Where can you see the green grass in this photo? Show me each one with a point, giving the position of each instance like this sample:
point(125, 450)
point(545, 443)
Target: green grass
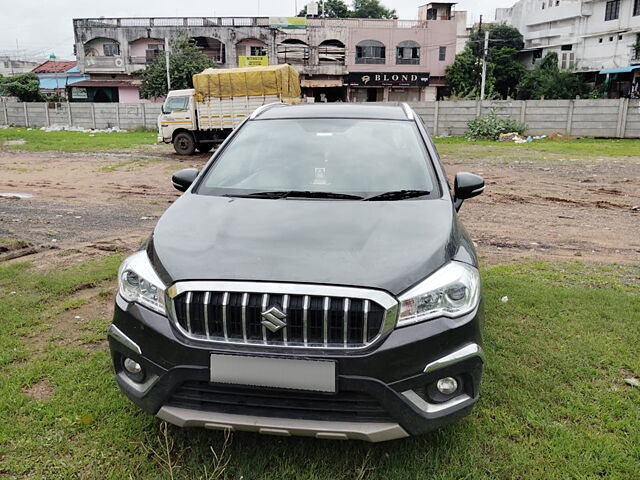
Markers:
point(130, 164)
point(554, 403)
point(38, 140)
point(575, 148)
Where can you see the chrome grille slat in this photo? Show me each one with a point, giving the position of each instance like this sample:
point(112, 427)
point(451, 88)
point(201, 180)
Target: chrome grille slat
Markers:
point(265, 302)
point(245, 299)
point(364, 323)
point(188, 305)
point(333, 320)
point(207, 299)
point(285, 304)
point(305, 311)
point(225, 302)
point(345, 322)
point(325, 321)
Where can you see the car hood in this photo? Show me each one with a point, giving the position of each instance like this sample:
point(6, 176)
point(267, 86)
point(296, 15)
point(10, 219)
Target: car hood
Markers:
point(389, 245)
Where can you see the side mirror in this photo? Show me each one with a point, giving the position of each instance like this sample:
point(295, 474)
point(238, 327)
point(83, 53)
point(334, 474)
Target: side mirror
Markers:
point(183, 179)
point(466, 185)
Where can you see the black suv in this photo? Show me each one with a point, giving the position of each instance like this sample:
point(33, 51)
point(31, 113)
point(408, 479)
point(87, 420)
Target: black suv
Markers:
point(314, 279)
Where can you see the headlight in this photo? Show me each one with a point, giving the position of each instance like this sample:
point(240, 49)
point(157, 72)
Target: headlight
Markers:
point(138, 282)
point(452, 291)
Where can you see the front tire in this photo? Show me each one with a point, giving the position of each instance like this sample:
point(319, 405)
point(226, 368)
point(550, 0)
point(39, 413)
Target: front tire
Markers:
point(204, 147)
point(184, 144)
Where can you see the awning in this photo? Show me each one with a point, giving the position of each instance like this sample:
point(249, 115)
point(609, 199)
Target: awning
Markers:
point(103, 83)
point(628, 69)
point(321, 82)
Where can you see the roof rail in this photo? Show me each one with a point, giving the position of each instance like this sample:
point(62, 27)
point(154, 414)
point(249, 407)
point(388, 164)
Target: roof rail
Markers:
point(264, 108)
point(407, 110)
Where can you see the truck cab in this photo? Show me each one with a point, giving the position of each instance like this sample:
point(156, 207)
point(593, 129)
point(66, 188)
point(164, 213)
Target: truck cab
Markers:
point(178, 117)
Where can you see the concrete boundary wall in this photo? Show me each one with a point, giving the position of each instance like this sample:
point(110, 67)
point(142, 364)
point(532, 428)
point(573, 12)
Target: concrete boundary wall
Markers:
point(587, 118)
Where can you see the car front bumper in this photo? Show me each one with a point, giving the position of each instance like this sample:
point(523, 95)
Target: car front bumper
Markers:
point(392, 374)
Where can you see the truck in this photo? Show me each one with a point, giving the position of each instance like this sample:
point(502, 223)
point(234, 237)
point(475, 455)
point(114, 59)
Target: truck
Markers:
point(201, 117)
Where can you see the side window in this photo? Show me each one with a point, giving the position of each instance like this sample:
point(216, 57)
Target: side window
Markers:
point(174, 104)
point(111, 49)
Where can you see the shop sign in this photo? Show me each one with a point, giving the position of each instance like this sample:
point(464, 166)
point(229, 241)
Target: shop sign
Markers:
point(380, 79)
point(288, 22)
point(79, 93)
point(253, 61)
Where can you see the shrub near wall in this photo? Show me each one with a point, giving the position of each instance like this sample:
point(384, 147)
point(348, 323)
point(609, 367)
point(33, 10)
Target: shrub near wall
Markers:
point(490, 126)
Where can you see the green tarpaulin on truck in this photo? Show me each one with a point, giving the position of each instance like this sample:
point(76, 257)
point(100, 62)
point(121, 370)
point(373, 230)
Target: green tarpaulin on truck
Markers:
point(281, 80)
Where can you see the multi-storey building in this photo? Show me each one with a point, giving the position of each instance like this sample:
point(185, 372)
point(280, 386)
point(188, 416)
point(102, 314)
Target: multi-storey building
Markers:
point(597, 36)
point(10, 67)
point(339, 59)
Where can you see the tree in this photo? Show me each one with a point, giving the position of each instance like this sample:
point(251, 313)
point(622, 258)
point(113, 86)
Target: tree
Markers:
point(500, 36)
point(507, 70)
point(360, 9)
point(332, 9)
point(185, 60)
point(547, 81)
point(371, 9)
point(464, 73)
point(504, 70)
point(25, 86)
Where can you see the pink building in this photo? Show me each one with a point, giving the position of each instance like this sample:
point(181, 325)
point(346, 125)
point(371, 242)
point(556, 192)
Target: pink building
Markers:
point(339, 59)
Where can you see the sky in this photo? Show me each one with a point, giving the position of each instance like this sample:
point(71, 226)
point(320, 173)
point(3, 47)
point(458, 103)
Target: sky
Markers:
point(29, 29)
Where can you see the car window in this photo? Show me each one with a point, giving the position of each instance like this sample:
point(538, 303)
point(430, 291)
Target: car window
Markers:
point(324, 155)
point(176, 103)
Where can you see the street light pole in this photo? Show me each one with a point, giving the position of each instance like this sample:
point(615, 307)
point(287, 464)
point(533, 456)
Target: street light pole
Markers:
point(484, 64)
point(166, 60)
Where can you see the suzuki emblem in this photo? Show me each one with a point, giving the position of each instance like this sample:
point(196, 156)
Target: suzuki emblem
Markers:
point(273, 319)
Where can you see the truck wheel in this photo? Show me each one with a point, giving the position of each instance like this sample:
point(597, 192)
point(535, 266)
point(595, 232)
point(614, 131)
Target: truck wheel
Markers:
point(184, 144)
point(204, 147)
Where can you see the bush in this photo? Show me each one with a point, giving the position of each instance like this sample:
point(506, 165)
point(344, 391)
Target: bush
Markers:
point(490, 126)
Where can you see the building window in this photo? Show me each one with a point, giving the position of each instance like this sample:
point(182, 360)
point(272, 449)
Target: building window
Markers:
point(154, 50)
point(599, 40)
point(612, 10)
point(111, 49)
point(258, 51)
point(408, 53)
point(543, 5)
point(370, 51)
point(442, 54)
point(557, 3)
point(568, 60)
point(636, 8)
point(566, 47)
point(619, 37)
point(537, 54)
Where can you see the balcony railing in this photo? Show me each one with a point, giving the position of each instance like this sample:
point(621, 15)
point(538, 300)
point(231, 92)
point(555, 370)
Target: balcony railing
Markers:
point(150, 22)
point(635, 56)
point(407, 61)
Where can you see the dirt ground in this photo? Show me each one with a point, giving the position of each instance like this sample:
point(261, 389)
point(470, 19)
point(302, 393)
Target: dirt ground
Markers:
point(87, 204)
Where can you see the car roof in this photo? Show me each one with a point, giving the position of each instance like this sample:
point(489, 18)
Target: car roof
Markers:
point(333, 110)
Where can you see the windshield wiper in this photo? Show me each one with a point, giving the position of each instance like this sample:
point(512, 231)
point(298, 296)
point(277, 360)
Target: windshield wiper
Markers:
point(299, 194)
point(399, 195)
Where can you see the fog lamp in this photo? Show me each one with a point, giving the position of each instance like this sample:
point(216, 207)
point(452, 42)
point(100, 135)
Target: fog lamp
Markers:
point(447, 385)
point(132, 367)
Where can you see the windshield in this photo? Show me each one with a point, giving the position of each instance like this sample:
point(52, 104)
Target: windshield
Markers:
point(350, 156)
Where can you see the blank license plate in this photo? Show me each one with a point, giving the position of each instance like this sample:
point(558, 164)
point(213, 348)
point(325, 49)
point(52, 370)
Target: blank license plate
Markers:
point(315, 375)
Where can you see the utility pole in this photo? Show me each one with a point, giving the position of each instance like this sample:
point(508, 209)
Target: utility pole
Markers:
point(485, 53)
point(322, 8)
point(166, 60)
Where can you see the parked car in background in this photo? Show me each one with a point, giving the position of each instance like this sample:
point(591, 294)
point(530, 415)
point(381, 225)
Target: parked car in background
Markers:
point(314, 279)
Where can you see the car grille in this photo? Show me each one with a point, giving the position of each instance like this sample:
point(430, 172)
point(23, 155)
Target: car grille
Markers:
point(342, 406)
point(311, 320)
